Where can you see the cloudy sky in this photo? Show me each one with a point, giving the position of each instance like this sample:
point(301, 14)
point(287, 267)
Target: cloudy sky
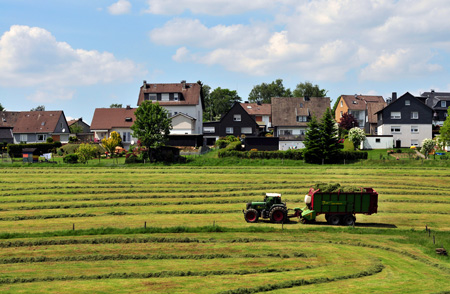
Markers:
point(80, 55)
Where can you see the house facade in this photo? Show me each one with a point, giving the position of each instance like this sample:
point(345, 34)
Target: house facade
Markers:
point(37, 126)
point(363, 108)
point(183, 101)
point(7, 121)
point(108, 120)
point(85, 135)
point(439, 102)
point(290, 117)
point(261, 113)
point(407, 119)
point(236, 122)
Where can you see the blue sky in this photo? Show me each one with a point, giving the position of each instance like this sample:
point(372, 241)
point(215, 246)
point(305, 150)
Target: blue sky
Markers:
point(80, 55)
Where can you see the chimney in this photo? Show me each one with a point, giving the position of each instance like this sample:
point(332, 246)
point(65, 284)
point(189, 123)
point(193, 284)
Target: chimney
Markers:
point(183, 83)
point(128, 107)
point(394, 96)
point(145, 84)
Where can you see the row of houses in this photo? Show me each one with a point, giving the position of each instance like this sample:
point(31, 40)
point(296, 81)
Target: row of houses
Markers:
point(397, 122)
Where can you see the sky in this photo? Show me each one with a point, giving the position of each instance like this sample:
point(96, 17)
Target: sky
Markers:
point(80, 55)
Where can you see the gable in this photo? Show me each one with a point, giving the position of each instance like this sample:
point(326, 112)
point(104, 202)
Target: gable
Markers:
point(286, 109)
point(171, 94)
point(41, 122)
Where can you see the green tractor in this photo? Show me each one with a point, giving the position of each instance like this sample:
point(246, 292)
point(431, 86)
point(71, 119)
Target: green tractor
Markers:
point(271, 208)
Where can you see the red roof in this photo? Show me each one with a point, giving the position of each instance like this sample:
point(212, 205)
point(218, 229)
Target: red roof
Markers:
point(358, 102)
point(37, 121)
point(190, 93)
point(108, 118)
point(257, 109)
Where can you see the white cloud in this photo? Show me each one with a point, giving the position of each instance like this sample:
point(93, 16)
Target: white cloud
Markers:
point(120, 7)
point(216, 7)
point(31, 56)
point(50, 95)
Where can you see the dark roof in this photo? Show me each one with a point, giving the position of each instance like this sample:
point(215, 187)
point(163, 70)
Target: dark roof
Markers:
point(37, 121)
point(404, 96)
point(257, 109)
point(189, 91)
point(108, 118)
point(286, 109)
point(358, 102)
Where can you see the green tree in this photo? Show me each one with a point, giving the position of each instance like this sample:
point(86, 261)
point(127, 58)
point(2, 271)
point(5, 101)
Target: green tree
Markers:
point(75, 129)
point(307, 89)
point(427, 146)
point(264, 92)
point(329, 139)
point(220, 102)
point(335, 105)
point(86, 152)
point(152, 125)
point(444, 131)
point(112, 142)
point(115, 105)
point(38, 108)
point(356, 135)
point(312, 153)
point(1, 107)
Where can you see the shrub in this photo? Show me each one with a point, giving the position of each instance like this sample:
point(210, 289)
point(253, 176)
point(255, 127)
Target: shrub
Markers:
point(15, 150)
point(73, 139)
point(222, 143)
point(49, 140)
point(70, 158)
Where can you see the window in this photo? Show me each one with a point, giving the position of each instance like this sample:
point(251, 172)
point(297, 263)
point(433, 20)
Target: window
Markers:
point(443, 103)
point(302, 132)
point(209, 130)
point(285, 132)
point(246, 130)
point(165, 97)
point(301, 105)
point(395, 129)
point(229, 130)
point(377, 140)
point(126, 137)
point(302, 118)
point(407, 103)
point(237, 117)
point(23, 138)
point(414, 142)
point(41, 137)
point(175, 97)
point(152, 96)
point(414, 129)
point(414, 115)
point(342, 105)
point(341, 114)
point(396, 115)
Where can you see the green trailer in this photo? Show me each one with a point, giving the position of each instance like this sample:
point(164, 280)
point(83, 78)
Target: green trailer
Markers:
point(339, 207)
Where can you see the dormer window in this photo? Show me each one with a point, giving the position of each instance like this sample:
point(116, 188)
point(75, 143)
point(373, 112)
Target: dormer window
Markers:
point(128, 119)
point(355, 102)
point(301, 105)
point(443, 103)
point(175, 96)
point(165, 97)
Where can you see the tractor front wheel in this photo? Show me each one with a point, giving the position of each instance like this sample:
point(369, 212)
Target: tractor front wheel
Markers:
point(251, 215)
point(277, 214)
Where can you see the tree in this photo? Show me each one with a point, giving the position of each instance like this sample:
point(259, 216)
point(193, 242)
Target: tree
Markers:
point(76, 129)
point(38, 108)
point(220, 102)
point(348, 121)
point(1, 107)
point(329, 137)
point(264, 92)
point(112, 142)
point(356, 135)
point(307, 89)
point(115, 105)
point(444, 131)
point(152, 125)
point(427, 146)
point(313, 149)
point(86, 152)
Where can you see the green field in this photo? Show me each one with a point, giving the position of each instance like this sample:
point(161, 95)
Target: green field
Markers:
point(180, 229)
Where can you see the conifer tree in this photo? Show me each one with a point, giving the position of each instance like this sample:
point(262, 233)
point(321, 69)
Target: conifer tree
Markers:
point(329, 137)
point(313, 149)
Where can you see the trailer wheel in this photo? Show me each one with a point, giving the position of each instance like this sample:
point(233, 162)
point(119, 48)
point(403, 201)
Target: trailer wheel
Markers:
point(277, 214)
point(251, 215)
point(348, 220)
point(334, 219)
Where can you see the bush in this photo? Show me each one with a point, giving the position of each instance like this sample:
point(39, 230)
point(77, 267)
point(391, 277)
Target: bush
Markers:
point(15, 150)
point(289, 154)
point(222, 143)
point(73, 139)
point(70, 158)
point(49, 140)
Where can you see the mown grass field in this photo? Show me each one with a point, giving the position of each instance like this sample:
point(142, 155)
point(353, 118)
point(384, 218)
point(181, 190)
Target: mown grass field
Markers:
point(180, 229)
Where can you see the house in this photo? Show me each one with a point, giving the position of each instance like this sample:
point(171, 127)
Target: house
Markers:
point(237, 122)
point(37, 126)
point(184, 101)
point(261, 113)
point(363, 108)
point(439, 102)
point(108, 120)
point(7, 121)
point(290, 117)
point(407, 119)
point(84, 134)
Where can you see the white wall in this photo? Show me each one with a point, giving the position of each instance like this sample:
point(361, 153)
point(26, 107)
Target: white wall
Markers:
point(182, 125)
point(405, 135)
point(194, 111)
point(286, 145)
point(371, 143)
point(294, 130)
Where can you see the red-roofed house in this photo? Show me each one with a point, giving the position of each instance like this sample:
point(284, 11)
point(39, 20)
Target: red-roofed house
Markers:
point(261, 113)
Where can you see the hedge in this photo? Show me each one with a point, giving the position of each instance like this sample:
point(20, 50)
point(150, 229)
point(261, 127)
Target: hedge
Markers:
point(289, 154)
point(15, 150)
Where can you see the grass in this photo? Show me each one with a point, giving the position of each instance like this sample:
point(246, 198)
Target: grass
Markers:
point(180, 229)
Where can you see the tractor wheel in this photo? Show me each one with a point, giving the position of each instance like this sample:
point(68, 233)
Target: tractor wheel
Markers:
point(334, 219)
point(277, 214)
point(348, 220)
point(251, 215)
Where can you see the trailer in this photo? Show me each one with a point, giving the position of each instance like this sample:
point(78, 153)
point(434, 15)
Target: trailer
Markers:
point(339, 207)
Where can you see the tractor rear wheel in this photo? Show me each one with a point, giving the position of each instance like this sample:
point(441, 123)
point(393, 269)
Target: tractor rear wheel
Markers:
point(334, 219)
point(348, 220)
point(277, 214)
point(251, 215)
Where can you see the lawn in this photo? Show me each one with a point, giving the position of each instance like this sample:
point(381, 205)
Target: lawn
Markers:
point(180, 229)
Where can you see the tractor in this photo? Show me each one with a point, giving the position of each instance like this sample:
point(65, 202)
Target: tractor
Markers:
point(271, 208)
